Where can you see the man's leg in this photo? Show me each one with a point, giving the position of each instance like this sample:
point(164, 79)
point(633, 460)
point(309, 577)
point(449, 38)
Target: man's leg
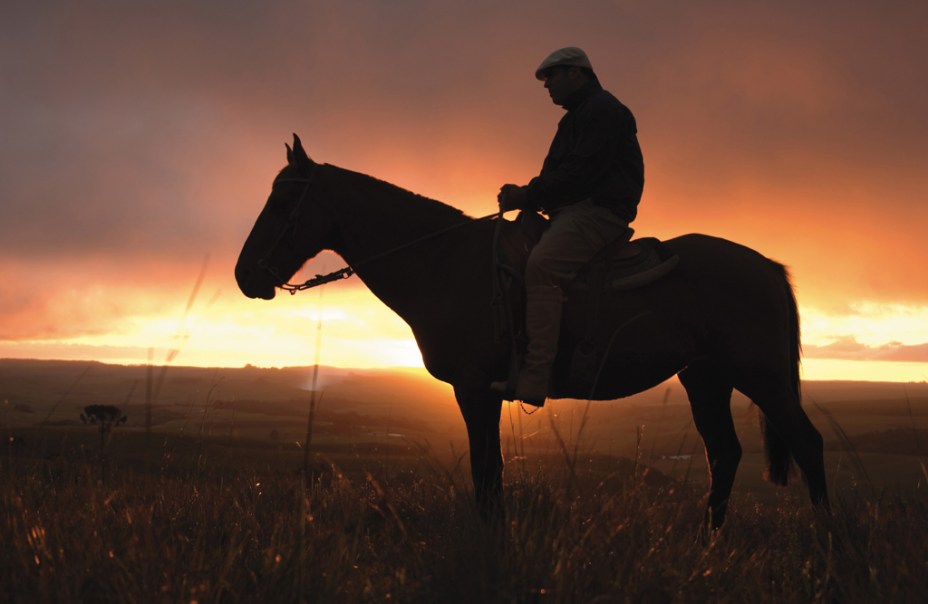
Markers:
point(576, 234)
point(543, 305)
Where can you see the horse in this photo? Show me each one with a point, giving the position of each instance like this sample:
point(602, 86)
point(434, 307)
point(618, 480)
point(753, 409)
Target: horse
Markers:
point(724, 319)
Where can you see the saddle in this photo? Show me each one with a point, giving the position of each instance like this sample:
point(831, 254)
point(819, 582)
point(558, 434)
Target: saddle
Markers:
point(622, 266)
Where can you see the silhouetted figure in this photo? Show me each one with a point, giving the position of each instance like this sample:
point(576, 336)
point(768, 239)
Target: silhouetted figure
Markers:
point(590, 185)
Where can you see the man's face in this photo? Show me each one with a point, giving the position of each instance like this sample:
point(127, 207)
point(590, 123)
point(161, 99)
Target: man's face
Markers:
point(562, 82)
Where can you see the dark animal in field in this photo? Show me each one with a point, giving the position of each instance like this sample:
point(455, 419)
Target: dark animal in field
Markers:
point(725, 318)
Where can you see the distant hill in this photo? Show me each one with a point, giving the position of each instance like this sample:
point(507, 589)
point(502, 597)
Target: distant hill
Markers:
point(36, 389)
point(360, 409)
point(34, 384)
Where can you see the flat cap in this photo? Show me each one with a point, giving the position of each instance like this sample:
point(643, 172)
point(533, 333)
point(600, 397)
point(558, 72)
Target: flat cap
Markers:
point(571, 56)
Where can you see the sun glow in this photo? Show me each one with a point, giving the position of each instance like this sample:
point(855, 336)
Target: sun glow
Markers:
point(863, 371)
point(353, 328)
point(869, 342)
point(870, 323)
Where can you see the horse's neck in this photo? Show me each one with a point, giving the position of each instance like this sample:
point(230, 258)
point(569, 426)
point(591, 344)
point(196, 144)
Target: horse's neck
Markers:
point(389, 236)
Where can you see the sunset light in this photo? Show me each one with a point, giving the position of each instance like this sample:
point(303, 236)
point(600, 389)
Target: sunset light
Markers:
point(233, 235)
point(140, 157)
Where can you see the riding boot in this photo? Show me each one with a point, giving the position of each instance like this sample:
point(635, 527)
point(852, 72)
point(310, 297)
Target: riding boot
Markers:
point(542, 325)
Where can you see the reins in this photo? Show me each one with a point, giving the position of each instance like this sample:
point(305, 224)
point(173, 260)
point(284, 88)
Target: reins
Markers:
point(347, 271)
point(499, 300)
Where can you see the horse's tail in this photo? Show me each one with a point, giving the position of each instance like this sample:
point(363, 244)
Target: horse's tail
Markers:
point(779, 462)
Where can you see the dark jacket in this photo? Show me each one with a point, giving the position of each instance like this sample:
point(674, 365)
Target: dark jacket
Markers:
point(594, 154)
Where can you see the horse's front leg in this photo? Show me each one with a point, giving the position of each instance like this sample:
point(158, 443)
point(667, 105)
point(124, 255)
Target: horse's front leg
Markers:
point(481, 411)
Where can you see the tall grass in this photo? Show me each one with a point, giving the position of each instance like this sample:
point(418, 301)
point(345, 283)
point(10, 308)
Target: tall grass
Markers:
point(413, 536)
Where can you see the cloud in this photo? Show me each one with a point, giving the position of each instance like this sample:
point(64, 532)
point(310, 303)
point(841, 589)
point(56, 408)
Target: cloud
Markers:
point(848, 348)
point(60, 300)
point(139, 137)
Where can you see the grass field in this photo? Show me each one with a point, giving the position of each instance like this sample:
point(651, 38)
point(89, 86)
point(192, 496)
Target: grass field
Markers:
point(207, 502)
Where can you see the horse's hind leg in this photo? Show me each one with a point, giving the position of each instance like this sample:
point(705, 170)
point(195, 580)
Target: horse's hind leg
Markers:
point(792, 426)
point(709, 391)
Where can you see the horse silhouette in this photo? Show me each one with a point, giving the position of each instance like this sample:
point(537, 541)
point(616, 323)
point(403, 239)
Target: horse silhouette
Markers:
point(725, 318)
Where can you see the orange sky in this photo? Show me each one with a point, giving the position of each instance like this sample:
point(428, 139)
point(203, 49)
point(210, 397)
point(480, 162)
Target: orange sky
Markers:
point(140, 139)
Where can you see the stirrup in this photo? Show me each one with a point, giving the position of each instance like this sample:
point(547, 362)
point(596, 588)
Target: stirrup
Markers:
point(508, 392)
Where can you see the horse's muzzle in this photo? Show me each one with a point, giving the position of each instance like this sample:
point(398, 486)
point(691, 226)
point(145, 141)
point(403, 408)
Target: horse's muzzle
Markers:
point(252, 286)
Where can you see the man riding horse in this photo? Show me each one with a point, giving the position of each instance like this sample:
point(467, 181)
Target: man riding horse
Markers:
point(724, 319)
point(589, 186)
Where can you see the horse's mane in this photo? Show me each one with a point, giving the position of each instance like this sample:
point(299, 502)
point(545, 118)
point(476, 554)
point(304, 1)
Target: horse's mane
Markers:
point(381, 190)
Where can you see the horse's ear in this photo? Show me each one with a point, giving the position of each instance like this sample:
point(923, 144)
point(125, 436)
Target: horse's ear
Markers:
point(297, 156)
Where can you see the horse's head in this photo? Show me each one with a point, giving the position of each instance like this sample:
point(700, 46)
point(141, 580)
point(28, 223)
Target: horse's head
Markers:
point(291, 229)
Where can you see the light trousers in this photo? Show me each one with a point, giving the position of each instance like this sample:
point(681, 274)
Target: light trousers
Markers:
point(576, 234)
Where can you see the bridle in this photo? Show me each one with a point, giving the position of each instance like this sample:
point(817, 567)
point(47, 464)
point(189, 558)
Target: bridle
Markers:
point(286, 231)
point(292, 221)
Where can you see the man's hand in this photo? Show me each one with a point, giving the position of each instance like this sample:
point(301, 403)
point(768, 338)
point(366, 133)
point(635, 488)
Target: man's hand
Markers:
point(512, 197)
